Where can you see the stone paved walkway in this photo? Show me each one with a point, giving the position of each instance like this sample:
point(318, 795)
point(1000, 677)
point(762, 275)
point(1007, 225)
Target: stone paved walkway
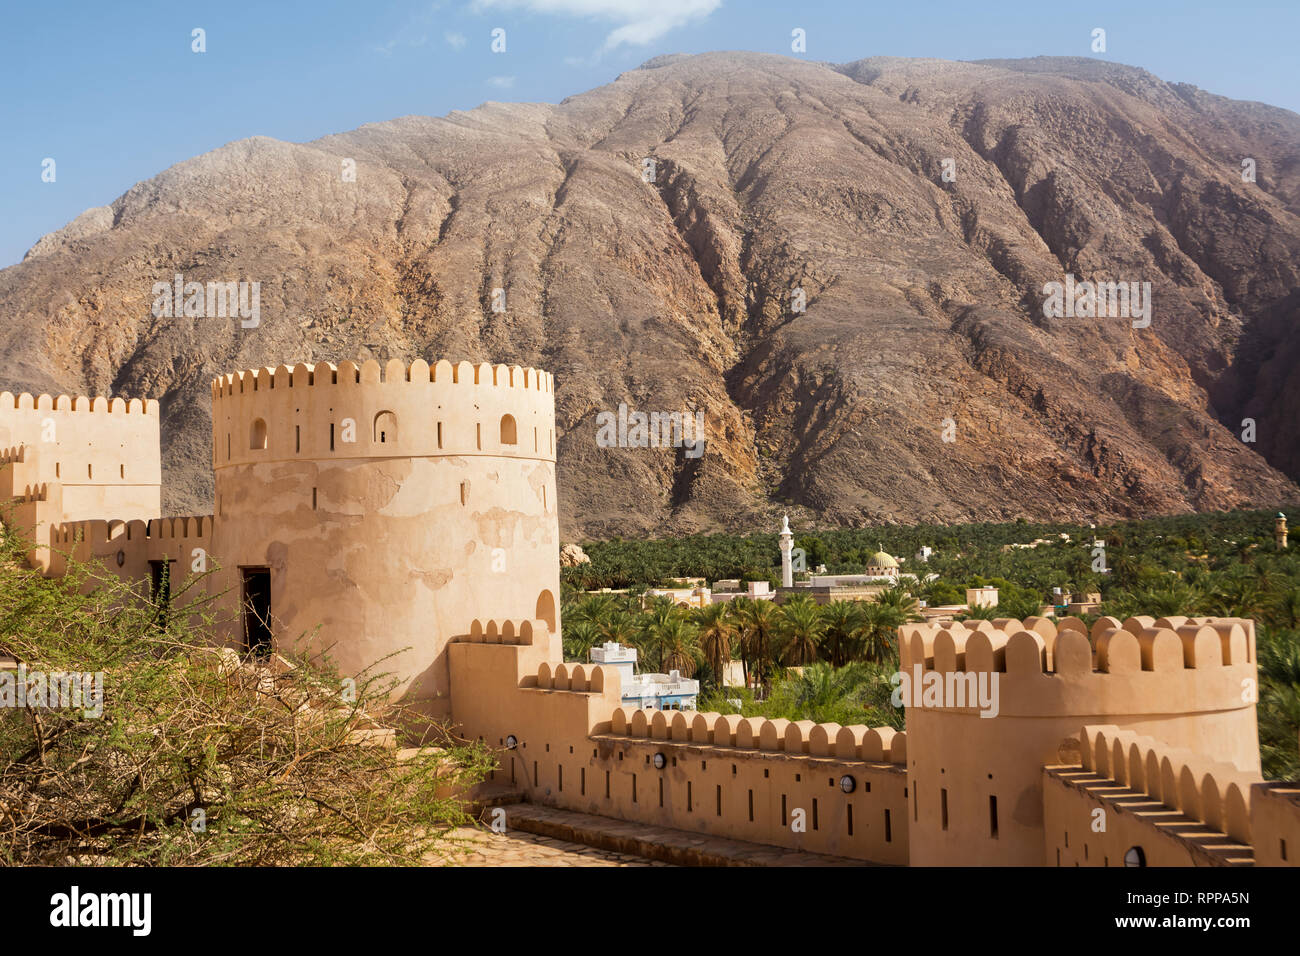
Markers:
point(537, 835)
point(640, 841)
point(517, 848)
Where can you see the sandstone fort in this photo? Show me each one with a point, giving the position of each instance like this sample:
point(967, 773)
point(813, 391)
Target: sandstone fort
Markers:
point(407, 514)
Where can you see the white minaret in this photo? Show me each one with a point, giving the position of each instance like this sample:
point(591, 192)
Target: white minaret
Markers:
point(787, 543)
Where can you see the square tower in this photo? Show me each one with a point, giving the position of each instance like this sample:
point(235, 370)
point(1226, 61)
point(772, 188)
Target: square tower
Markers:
point(77, 459)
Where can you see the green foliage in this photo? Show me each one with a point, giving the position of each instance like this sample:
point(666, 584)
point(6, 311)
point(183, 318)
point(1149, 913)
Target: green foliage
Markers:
point(857, 693)
point(199, 758)
point(1279, 703)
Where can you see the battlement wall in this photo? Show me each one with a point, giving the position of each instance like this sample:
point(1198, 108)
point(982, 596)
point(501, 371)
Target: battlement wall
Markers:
point(19, 470)
point(84, 440)
point(525, 646)
point(32, 510)
point(118, 545)
point(126, 548)
point(814, 800)
point(1133, 795)
point(1208, 791)
point(856, 742)
point(39, 491)
point(578, 678)
point(327, 411)
point(563, 738)
point(24, 405)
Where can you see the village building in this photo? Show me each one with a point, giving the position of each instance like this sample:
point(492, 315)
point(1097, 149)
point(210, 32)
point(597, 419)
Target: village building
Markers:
point(668, 691)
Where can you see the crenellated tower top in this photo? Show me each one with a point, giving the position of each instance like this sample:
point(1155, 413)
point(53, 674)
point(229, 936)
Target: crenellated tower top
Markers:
point(365, 410)
point(1046, 668)
point(13, 407)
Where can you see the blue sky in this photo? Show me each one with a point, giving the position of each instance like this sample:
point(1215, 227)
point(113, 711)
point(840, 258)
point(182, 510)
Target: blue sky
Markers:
point(114, 94)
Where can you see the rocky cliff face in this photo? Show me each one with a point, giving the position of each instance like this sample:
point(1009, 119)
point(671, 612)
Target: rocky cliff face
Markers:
point(923, 316)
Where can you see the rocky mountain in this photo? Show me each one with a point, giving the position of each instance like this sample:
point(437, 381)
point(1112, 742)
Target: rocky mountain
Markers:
point(921, 381)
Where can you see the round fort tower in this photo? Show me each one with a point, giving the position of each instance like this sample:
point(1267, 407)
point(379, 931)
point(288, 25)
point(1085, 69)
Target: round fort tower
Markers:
point(976, 782)
point(374, 513)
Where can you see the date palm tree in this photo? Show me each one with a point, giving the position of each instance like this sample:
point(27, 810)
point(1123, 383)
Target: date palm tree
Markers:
point(1237, 597)
point(759, 622)
point(717, 634)
point(980, 612)
point(824, 693)
point(876, 628)
point(842, 639)
point(620, 627)
point(801, 628)
point(1283, 609)
point(892, 609)
point(579, 638)
point(593, 608)
point(675, 641)
point(656, 615)
point(898, 599)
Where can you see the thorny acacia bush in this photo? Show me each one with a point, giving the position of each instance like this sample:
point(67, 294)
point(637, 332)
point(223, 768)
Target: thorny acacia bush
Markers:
point(200, 758)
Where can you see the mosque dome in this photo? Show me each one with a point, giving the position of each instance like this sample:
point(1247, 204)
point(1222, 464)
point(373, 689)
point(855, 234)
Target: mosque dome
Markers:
point(882, 560)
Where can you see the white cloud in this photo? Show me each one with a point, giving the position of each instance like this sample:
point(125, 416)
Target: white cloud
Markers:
point(414, 32)
point(455, 40)
point(638, 22)
point(501, 82)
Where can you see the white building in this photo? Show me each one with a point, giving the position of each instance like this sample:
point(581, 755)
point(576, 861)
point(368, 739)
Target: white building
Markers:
point(615, 655)
point(754, 590)
point(668, 691)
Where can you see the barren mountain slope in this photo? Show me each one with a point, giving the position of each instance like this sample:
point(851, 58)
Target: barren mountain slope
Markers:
point(924, 297)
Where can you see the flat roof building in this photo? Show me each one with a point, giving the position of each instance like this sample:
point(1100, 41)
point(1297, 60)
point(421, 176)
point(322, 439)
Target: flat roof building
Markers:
point(668, 691)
